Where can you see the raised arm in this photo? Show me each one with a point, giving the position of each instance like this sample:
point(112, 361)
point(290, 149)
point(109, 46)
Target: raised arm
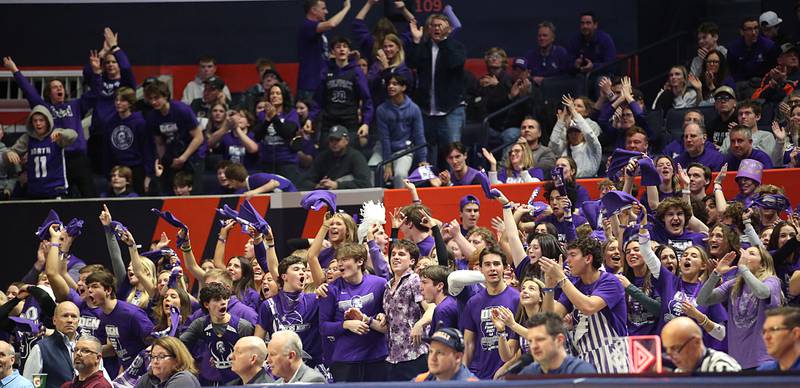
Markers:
point(137, 266)
point(650, 258)
point(335, 20)
point(52, 265)
point(512, 233)
point(117, 265)
point(710, 294)
point(313, 252)
point(219, 249)
point(719, 195)
point(189, 259)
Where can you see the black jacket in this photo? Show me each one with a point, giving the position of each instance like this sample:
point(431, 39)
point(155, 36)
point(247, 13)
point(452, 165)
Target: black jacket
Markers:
point(350, 170)
point(449, 82)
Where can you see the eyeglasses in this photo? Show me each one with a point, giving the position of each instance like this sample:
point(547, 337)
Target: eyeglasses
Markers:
point(723, 98)
point(161, 357)
point(673, 350)
point(494, 56)
point(83, 352)
point(774, 329)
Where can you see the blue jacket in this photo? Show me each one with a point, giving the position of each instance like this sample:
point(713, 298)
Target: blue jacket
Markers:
point(56, 360)
point(571, 365)
point(399, 127)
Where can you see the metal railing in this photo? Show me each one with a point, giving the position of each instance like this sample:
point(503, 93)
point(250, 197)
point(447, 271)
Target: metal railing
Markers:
point(634, 56)
point(395, 156)
point(9, 91)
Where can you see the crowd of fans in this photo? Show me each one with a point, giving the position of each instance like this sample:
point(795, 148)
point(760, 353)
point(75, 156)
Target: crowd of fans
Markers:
point(555, 288)
point(371, 97)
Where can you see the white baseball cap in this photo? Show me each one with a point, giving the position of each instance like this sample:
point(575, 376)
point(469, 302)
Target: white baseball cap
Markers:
point(769, 19)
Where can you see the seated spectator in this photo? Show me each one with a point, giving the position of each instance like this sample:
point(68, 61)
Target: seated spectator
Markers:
point(399, 122)
point(459, 173)
point(749, 113)
point(547, 339)
point(543, 157)
point(707, 41)
point(10, 377)
point(493, 89)
point(253, 184)
point(741, 140)
point(342, 92)
point(682, 339)
point(445, 357)
point(277, 133)
point(676, 93)
point(698, 150)
point(752, 55)
point(171, 366)
point(521, 86)
point(591, 48)
point(713, 73)
point(578, 140)
point(247, 361)
point(207, 68)
point(236, 139)
point(222, 181)
point(212, 94)
point(548, 59)
point(311, 50)
point(782, 80)
point(128, 142)
point(699, 180)
point(725, 105)
point(518, 167)
point(781, 335)
point(121, 183)
point(216, 120)
point(339, 166)
point(42, 146)
point(786, 152)
point(390, 60)
point(286, 360)
point(182, 184)
point(770, 27)
point(177, 131)
point(257, 90)
point(636, 140)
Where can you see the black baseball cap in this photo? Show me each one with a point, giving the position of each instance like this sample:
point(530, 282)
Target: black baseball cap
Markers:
point(215, 82)
point(448, 336)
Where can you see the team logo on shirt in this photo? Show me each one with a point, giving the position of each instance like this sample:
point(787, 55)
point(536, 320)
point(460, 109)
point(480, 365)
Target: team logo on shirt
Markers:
point(170, 130)
point(60, 113)
point(356, 302)
point(122, 137)
point(221, 355)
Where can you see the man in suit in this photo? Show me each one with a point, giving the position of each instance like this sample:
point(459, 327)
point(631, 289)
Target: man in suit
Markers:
point(286, 360)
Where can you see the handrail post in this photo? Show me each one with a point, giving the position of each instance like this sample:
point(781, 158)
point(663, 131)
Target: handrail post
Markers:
point(378, 179)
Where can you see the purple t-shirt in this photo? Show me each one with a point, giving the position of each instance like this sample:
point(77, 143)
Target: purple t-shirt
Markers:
point(89, 321)
point(257, 180)
point(175, 128)
point(126, 328)
point(674, 290)
point(311, 53)
point(235, 307)
point(426, 246)
point(747, 316)
point(445, 314)
point(641, 321)
point(298, 312)
point(233, 150)
point(476, 318)
point(367, 297)
point(679, 243)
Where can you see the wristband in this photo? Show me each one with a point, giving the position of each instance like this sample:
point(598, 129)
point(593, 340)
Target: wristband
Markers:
point(704, 321)
point(417, 201)
point(546, 290)
point(221, 239)
point(508, 206)
point(558, 283)
point(57, 245)
point(686, 191)
point(186, 248)
point(112, 48)
point(369, 322)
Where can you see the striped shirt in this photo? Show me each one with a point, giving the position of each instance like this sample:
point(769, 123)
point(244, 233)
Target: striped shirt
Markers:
point(716, 361)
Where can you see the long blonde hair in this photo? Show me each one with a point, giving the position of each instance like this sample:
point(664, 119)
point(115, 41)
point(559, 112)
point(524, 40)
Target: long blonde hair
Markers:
point(527, 157)
point(400, 57)
point(144, 296)
point(767, 269)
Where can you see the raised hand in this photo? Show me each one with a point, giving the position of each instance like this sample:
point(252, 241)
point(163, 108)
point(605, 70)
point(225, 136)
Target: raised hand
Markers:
point(94, 61)
point(110, 37)
point(695, 82)
point(779, 132)
point(721, 175)
point(105, 216)
point(445, 177)
point(10, 65)
point(398, 218)
point(489, 158)
point(624, 280)
point(683, 176)
point(747, 214)
point(416, 31)
point(427, 220)
point(163, 241)
point(725, 264)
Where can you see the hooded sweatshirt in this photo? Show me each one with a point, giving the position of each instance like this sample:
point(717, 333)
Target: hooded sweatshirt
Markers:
point(342, 90)
point(47, 175)
point(400, 126)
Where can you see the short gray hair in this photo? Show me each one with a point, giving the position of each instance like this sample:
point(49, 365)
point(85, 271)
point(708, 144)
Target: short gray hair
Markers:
point(96, 344)
point(292, 342)
point(748, 134)
point(548, 24)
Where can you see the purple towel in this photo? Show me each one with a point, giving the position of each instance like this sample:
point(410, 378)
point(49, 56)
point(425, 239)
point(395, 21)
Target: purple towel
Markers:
point(170, 218)
point(316, 199)
point(43, 231)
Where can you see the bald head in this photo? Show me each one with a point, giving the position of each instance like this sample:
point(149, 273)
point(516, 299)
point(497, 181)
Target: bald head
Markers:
point(254, 346)
point(6, 348)
point(683, 327)
point(288, 341)
point(7, 359)
point(68, 306)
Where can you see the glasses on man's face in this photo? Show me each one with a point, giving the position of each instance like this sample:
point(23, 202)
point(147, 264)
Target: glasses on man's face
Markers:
point(160, 357)
point(774, 329)
point(723, 98)
point(494, 56)
point(84, 351)
point(677, 349)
